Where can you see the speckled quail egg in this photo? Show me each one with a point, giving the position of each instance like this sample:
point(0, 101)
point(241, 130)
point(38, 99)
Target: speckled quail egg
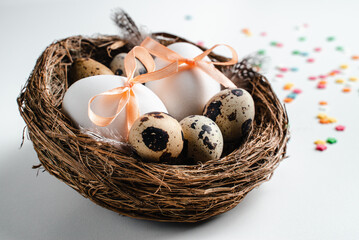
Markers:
point(117, 65)
point(157, 137)
point(233, 111)
point(86, 67)
point(203, 138)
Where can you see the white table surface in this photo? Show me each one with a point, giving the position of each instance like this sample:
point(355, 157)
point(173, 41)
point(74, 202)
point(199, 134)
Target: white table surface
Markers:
point(312, 194)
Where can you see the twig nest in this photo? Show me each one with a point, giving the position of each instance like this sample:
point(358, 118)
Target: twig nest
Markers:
point(233, 111)
point(156, 137)
point(203, 138)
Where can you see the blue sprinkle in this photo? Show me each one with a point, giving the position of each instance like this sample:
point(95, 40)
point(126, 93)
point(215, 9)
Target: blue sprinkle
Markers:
point(292, 95)
point(294, 69)
point(304, 54)
point(188, 17)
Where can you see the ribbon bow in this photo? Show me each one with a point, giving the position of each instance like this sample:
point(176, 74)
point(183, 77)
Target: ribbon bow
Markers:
point(158, 50)
point(125, 95)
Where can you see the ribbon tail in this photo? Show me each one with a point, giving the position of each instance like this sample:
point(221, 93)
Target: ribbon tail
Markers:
point(105, 121)
point(216, 74)
point(132, 110)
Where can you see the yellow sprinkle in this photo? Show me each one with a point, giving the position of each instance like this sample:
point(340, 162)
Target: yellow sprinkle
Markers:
point(344, 66)
point(319, 142)
point(339, 80)
point(322, 116)
point(332, 120)
point(353, 79)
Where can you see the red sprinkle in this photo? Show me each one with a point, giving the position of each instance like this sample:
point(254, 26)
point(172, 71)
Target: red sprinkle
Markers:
point(310, 60)
point(312, 78)
point(297, 91)
point(321, 147)
point(322, 76)
point(283, 69)
point(318, 49)
point(340, 128)
point(321, 86)
point(279, 75)
point(279, 44)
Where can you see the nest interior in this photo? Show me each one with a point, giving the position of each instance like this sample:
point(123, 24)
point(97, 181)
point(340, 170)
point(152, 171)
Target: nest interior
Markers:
point(120, 181)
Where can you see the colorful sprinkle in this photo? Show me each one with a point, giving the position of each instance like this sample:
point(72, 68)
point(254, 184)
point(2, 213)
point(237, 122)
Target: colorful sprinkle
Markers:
point(261, 52)
point(279, 75)
point(188, 17)
point(323, 103)
point(318, 49)
point(322, 76)
point(339, 80)
point(321, 147)
point(263, 34)
point(321, 86)
point(330, 39)
point(346, 90)
point(304, 54)
point(355, 57)
point(322, 116)
point(340, 128)
point(312, 78)
point(283, 69)
point(273, 43)
point(297, 91)
point(319, 142)
point(246, 31)
point(301, 39)
point(310, 60)
point(279, 44)
point(331, 140)
point(323, 82)
point(332, 120)
point(353, 79)
point(296, 52)
point(339, 48)
point(324, 121)
point(292, 95)
point(344, 66)
point(288, 100)
point(288, 86)
point(294, 69)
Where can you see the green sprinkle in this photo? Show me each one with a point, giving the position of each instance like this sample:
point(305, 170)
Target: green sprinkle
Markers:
point(301, 39)
point(339, 48)
point(331, 140)
point(330, 39)
point(295, 52)
point(261, 52)
point(273, 43)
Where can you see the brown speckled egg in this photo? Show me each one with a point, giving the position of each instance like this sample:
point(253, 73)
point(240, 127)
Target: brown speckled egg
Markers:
point(233, 111)
point(86, 67)
point(117, 65)
point(157, 137)
point(203, 138)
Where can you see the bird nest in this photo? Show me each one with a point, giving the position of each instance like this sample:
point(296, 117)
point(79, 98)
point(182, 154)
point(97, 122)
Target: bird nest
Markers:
point(117, 179)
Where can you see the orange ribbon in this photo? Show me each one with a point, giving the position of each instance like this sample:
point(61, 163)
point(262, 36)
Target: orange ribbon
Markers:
point(158, 50)
point(125, 95)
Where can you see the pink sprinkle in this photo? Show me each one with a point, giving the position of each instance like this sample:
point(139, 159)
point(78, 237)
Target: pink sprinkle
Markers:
point(279, 45)
point(318, 49)
point(263, 34)
point(336, 71)
point(340, 128)
point(305, 25)
point(297, 91)
point(322, 76)
point(321, 86)
point(279, 75)
point(200, 43)
point(310, 60)
point(312, 78)
point(321, 147)
point(283, 69)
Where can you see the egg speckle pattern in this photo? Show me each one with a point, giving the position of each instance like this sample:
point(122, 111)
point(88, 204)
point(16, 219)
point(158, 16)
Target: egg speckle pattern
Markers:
point(203, 138)
point(157, 137)
point(117, 65)
point(233, 111)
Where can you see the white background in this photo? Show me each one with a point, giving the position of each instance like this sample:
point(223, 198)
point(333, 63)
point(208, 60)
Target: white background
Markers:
point(312, 195)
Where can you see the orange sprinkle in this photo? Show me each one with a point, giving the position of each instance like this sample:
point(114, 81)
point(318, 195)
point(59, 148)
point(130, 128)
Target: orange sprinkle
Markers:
point(288, 100)
point(288, 86)
point(324, 121)
point(355, 57)
point(323, 82)
point(346, 90)
point(323, 103)
point(333, 73)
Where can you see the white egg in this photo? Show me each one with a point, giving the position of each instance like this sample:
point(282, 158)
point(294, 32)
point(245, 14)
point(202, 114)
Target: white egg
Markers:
point(186, 92)
point(75, 104)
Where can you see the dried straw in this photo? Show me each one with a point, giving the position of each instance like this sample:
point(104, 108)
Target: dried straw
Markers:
point(122, 182)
